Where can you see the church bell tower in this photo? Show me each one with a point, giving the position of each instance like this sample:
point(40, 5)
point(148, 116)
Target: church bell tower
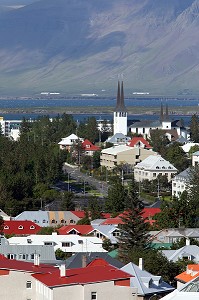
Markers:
point(120, 112)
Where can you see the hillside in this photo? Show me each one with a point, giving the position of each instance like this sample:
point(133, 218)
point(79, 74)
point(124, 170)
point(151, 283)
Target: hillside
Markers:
point(75, 46)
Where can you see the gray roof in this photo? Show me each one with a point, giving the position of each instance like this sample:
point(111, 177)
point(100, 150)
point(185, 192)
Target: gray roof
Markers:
point(196, 153)
point(75, 261)
point(107, 230)
point(36, 216)
point(184, 175)
point(174, 255)
point(118, 137)
point(142, 279)
point(25, 252)
point(146, 123)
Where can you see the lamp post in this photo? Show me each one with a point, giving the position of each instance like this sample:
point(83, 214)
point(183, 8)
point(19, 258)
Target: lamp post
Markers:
point(68, 181)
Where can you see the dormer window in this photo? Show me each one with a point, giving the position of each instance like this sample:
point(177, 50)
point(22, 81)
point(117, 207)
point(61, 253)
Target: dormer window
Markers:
point(62, 221)
point(157, 167)
point(32, 227)
point(53, 221)
point(20, 227)
point(163, 167)
point(6, 227)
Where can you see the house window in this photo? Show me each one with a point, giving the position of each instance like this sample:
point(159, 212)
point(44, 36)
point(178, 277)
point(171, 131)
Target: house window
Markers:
point(80, 241)
point(32, 227)
point(62, 221)
point(93, 295)
point(66, 244)
point(154, 174)
point(48, 243)
point(28, 284)
point(53, 221)
point(32, 256)
point(20, 227)
point(6, 227)
point(116, 233)
point(29, 241)
point(72, 221)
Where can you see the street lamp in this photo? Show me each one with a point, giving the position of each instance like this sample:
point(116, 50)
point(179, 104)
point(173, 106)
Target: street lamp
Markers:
point(68, 181)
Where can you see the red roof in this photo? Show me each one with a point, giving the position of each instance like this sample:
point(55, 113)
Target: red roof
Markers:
point(88, 146)
point(79, 213)
point(80, 229)
point(97, 271)
point(20, 227)
point(137, 140)
point(148, 213)
point(12, 264)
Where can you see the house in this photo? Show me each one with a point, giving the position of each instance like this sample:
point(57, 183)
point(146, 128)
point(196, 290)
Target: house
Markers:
point(180, 181)
point(168, 236)
point(153, 166)
point(71, 243)
point(50, 218)
point(189, 252)
point(123, 154)
point(191, 272)
point(173, 129)
point(76, 229)
point(88, 148)
point(139, 142)
point(147, 284)
point(97, 280)
point(18, 227)
point(27, 252)
point(79, 260)
point(147, 214)
point(69, 141)
point(186, 147)
point(189, 291)
point(118, 139)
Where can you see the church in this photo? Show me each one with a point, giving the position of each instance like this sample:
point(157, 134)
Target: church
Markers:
point(173, 129)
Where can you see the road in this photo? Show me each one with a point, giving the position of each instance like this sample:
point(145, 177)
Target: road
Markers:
point(74, 173)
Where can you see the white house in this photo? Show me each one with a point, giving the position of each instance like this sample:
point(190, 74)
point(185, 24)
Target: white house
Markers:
point(69, 141)
point(153, 166)
point(68, 243)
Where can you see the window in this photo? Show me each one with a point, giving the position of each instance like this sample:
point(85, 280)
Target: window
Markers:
point(62, 221)
point(29, 241)
point(48, 243)
point(116, 233)
point(154, 174)
point(72, 221)
point(32, 227)
point(28, 284)
point(80, 241)
point(20, 227)
point(53, 221)
point(32, 256)
point(66, 244)
point(93, 295)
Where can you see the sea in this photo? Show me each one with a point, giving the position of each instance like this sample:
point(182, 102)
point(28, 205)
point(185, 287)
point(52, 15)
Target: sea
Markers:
point(41, 104)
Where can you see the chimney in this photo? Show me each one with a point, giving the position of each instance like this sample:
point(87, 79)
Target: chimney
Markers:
point(84, 261)
point(141, 263)
point(36, 259)
point(62, 269)
point(187, 242)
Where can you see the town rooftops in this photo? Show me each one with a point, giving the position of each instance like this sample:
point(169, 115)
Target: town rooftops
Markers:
point(116, 149)
point(191, 272)
point(79, 229)
point(97, 271)
point(154, 162)
point(140, 142)
point(17, 265)
point(88, 146)
point(20, 227)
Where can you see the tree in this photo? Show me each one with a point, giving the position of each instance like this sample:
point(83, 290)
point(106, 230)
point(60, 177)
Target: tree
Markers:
point(193, 149)
point(176, 156)
point(116, 197)
point(194, 128)
point(67, 202)
point(46, 230)
point(106, 245)
point(59, 254)
point(134, 230)
point(85, 220)
point(159, 141)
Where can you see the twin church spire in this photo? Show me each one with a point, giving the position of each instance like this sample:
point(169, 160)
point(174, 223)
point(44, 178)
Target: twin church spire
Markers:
point(120, 106)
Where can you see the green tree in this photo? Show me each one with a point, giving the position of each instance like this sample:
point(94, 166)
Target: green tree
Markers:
point(46, 230)
point(193, 149)
point(194, 128)
point(176, 156)
point(85, 220)
point(59, 254)
point(106, 245)
point(116, 197)
point(67, 202)
point(134, 230)
point(159, 141)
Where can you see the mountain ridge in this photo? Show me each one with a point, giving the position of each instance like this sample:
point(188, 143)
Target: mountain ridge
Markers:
point(75, 46)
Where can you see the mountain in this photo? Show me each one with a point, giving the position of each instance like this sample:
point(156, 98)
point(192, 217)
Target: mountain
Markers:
point(75, 46)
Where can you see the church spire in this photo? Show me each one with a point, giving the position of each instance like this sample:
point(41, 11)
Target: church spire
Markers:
point(167, 113)
point(120, 106)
